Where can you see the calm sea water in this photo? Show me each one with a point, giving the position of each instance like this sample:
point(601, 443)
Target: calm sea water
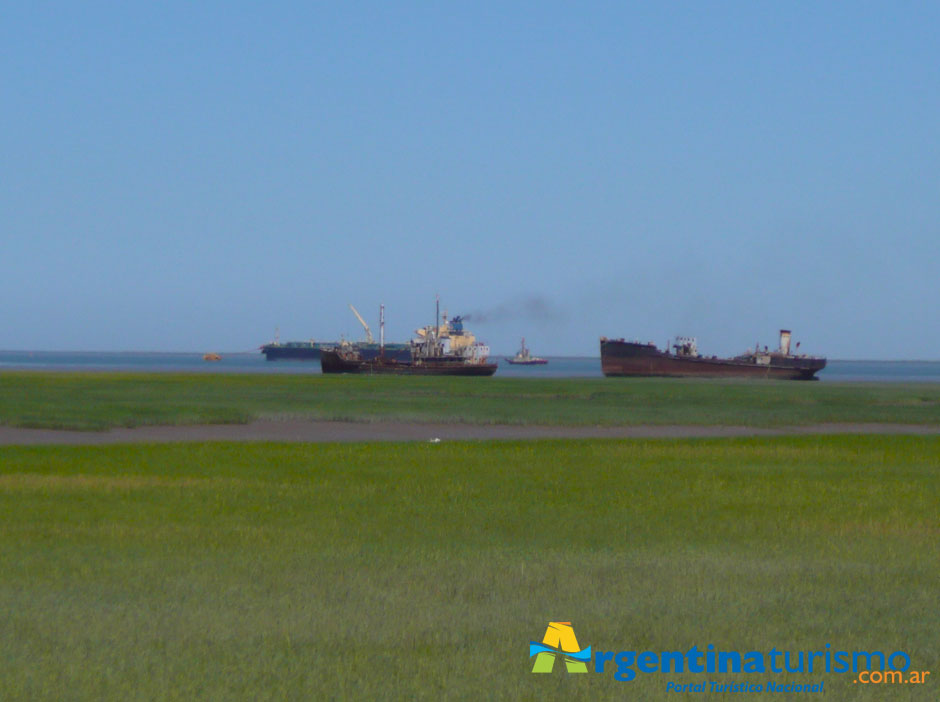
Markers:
point(558, 367)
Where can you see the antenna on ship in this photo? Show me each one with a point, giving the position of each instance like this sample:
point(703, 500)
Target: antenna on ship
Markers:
point(437, 316)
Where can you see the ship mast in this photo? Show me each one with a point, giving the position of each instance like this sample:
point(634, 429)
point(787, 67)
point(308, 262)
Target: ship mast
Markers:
point(382, 330)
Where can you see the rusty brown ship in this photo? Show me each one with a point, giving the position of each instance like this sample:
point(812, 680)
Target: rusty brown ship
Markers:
point(634, 358)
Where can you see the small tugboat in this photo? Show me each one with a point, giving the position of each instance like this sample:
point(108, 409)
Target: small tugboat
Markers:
point(524, 358)
point(211, 357)
point(439, 349)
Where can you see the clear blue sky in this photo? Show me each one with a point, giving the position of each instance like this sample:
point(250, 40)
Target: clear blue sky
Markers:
point(188, 176)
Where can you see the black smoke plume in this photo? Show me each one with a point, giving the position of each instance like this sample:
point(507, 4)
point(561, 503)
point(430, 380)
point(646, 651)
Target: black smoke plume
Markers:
point(532, 308)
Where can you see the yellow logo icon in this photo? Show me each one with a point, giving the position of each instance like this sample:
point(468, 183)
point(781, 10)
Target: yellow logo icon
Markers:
point(559, 640)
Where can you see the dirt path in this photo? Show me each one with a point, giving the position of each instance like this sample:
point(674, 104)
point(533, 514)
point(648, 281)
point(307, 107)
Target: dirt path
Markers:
point(319, 431)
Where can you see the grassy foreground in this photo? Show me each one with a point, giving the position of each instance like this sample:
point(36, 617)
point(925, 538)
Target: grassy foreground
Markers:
point(292, 571)
point(96, 401)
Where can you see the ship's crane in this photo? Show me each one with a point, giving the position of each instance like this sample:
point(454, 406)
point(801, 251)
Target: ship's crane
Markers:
point(363, 323)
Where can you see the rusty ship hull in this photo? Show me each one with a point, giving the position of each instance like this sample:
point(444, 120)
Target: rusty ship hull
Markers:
point(629, 358)
point(334, 362)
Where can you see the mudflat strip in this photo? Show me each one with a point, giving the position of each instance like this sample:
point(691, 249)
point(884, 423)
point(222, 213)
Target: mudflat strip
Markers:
point(324, 431)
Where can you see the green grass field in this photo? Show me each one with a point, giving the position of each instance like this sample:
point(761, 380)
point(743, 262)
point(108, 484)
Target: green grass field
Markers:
point(301, 571)
point(96, 401)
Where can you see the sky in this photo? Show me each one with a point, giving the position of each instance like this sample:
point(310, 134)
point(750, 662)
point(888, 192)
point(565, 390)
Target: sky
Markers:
point(193, 176)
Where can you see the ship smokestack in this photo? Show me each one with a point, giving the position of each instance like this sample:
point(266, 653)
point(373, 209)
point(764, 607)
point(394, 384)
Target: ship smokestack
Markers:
point(785, 342)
